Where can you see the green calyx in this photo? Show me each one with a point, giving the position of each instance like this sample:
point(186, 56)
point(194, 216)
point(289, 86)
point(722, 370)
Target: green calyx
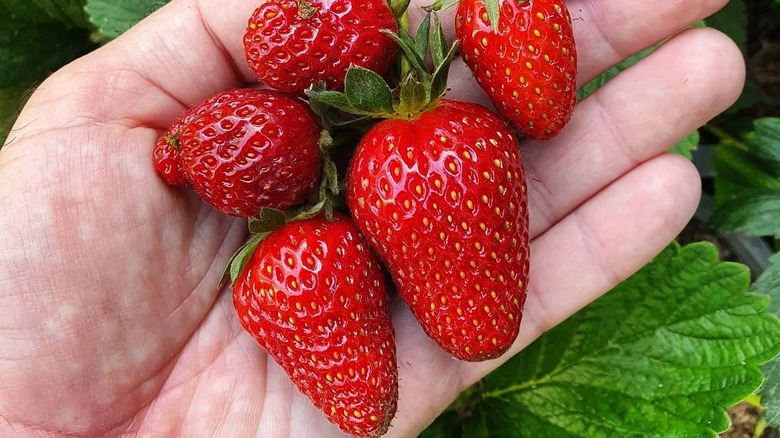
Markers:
point(367, 94)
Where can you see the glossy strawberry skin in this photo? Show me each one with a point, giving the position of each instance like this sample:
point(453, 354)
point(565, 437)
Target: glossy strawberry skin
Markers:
point(442, 199)
point(242, 150)
point(313, 296)
point(529, 68)
point(290, 48)
point(166, 156)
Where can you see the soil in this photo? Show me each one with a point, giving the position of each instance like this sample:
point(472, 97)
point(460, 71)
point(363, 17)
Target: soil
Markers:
point(763, 47)
point(744, 418)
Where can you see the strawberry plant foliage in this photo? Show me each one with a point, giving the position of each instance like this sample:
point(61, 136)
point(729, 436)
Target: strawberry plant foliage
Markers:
point(747, 183)
point(67, 12)
point(113, 18)
point(686, 145)
point(668, 349)
point(769, 284)
point(31, 51)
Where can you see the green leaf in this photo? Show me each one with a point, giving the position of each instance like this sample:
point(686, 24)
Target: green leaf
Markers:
point(765, 141)
point(447, 425)
point(755, 212)
point(335, 99)
point(686, 145)
point(367, 91)
point(268, 220)
point(11, 101)
point(747, 181)
point(769, 284)
point(661, 355)
point(241, 258)
point(738, 171)
point(112, 18)
point(421, 40)
point(32, 51)
point(408, 47)
point(68, 12)
point(308, 211)
point(439, 82)
point(438, 43)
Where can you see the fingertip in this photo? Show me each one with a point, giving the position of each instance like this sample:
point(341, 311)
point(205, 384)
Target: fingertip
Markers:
point(713, 54)
point(677, 190)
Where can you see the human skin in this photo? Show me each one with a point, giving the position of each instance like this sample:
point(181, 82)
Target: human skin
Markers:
point(111, 322)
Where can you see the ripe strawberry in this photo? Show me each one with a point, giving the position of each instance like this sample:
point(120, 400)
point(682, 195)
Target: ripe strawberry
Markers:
point(242, 150)
point(292, 44)
point(313, 297)
point(442, 198)
point(528, 67)
point(166, 156)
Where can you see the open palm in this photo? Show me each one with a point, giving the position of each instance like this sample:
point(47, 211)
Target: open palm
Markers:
point(111, 321)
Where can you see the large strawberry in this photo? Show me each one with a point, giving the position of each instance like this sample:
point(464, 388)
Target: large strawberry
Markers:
point(439, 191)
point(313, 296)
point(243, 150)
point(526, 62)
point(442, 199)
point(292, 44)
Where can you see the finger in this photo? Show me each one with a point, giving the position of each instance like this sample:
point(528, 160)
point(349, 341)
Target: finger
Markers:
point(639, 114)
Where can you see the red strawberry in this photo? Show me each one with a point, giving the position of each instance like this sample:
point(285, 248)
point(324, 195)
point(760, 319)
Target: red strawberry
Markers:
point(313, 296)
point(242, 150)
point(528, 67)
point(166, 156)
point(442, 198)
point(292, 44)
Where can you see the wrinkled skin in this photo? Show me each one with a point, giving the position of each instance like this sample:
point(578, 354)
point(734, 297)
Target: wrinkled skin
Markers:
point(110, 319)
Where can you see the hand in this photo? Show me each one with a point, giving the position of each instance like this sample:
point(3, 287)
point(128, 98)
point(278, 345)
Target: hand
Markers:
point(110, 317)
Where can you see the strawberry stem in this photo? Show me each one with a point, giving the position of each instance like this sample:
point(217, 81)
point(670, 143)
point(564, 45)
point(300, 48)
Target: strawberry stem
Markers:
point(367, 94)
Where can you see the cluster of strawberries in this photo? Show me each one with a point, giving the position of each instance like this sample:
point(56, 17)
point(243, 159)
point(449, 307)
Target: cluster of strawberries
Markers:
point(435, 191)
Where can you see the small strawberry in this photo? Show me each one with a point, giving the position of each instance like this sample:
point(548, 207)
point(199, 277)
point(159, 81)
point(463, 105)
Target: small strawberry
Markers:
point(166, 156)
point(438, 190)
point(442, 200)
point(293, 44)
point(243, 150)
point(527, 63)
point(313, 296)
